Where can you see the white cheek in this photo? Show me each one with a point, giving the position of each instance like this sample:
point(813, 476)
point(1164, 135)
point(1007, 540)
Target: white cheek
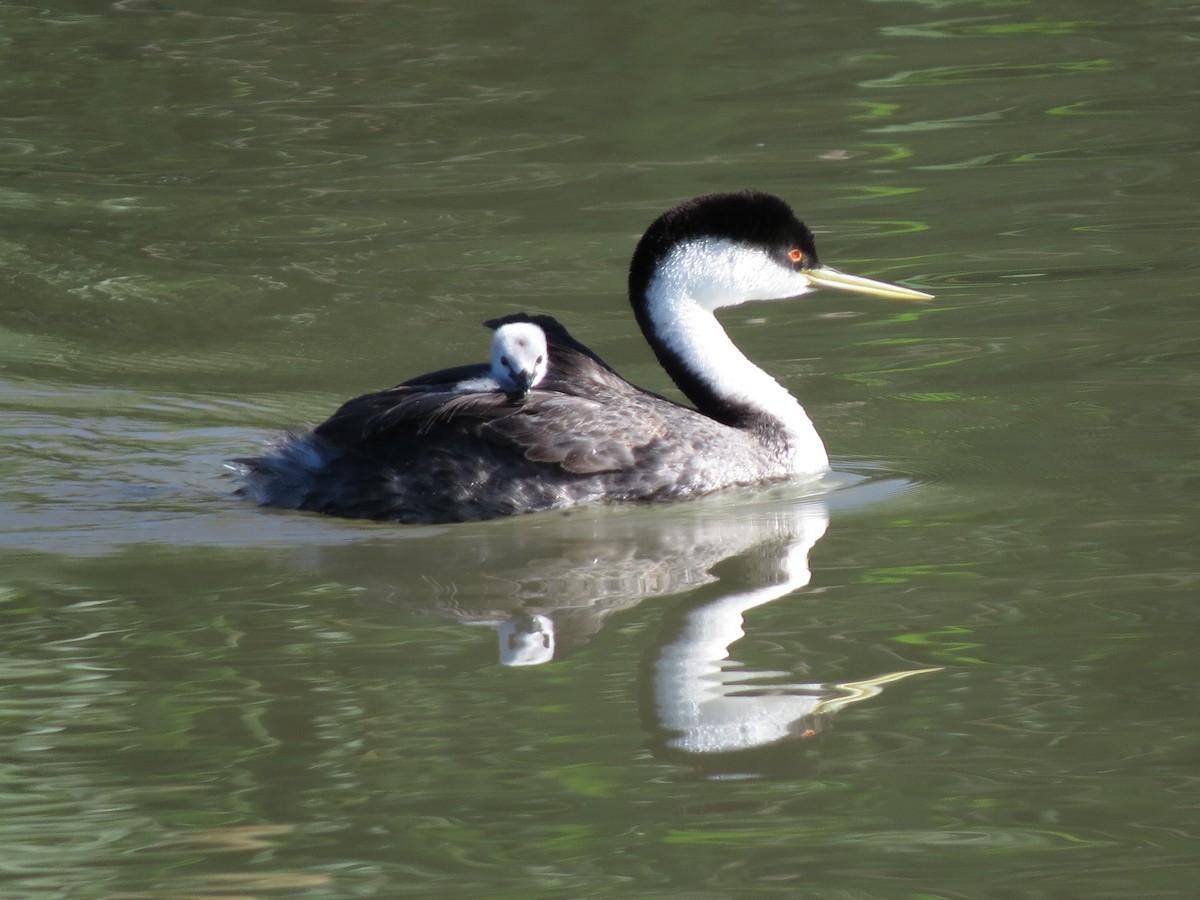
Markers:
point(714, 273)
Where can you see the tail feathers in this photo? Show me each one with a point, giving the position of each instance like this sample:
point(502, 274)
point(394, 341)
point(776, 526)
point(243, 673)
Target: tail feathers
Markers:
point(284, 477)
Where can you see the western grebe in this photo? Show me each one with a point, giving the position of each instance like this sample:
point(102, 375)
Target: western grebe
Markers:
point(422, 452)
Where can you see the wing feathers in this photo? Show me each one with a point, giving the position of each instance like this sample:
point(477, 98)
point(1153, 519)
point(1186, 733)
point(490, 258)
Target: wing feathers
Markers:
point(578, 419)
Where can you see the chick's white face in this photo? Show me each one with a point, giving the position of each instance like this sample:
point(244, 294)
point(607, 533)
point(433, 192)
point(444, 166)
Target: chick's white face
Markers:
point(520, 359)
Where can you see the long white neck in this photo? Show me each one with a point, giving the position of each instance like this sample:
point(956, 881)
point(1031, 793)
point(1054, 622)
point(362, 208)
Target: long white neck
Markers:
point(693, 280)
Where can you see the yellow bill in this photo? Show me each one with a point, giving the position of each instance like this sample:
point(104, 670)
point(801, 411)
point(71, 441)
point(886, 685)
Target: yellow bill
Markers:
point(826, 277)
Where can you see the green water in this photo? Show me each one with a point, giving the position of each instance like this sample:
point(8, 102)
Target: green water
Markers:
point(968, 670)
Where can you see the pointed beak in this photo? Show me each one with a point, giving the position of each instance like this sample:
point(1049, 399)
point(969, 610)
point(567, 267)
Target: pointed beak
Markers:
point(826, 277)
point(522, 384)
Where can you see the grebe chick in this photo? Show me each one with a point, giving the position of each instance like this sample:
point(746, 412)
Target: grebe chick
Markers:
point(423, 452)
point(519, 362)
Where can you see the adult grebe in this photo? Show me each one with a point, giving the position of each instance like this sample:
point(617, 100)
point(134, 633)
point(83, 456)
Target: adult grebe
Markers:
point(422, 452)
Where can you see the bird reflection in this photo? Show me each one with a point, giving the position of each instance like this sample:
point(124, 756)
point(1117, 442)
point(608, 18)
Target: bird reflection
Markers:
point(710, 706)
point(526, 640)
point(553, 582)
point(706, 701)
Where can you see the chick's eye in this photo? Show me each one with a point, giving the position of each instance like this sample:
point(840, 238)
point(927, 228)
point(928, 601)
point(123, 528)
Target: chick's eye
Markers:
point(504, 360)
point(796, 255)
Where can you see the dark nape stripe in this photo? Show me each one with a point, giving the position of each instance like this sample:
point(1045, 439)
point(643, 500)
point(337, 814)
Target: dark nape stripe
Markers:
point(747, 217)
point(694, 387)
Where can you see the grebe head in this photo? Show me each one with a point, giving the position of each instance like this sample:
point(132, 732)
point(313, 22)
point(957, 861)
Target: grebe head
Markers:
point(519, 358)
point(725, 249)
point(721, 250)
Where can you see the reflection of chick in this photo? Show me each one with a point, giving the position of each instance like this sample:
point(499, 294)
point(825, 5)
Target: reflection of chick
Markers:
point(526, 640)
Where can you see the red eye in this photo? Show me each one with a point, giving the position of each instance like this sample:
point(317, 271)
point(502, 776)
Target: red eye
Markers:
point(796, 255)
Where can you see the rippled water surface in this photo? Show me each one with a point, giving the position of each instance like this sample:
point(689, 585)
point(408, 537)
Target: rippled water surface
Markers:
point(965, 669)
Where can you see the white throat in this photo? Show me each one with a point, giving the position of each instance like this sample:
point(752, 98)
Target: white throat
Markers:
point(694, 279)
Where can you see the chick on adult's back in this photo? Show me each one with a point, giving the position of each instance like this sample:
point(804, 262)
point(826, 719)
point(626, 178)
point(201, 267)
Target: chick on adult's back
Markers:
point(425, 451)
